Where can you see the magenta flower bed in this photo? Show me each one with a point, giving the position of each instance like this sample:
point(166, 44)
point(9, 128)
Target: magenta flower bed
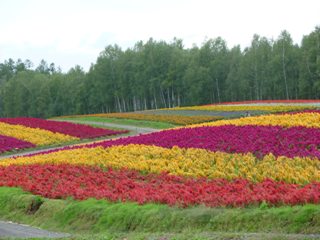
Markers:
point(259, 140)
point(9, 143)
point(72, 129)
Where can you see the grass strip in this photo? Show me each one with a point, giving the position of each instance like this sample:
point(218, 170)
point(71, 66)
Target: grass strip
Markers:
point(99, 216)
point(131, 122)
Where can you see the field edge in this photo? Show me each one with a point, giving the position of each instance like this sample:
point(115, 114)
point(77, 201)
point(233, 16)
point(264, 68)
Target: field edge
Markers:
point(99, 216)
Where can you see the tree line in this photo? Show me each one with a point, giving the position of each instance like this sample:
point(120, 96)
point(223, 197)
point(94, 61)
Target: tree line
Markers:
point(158, 74)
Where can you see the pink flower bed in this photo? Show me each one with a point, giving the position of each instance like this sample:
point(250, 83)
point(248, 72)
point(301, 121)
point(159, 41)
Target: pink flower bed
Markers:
point(9, 144)
point(259, 140)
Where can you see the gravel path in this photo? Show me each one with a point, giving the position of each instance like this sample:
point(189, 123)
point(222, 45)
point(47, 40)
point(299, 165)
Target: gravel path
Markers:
point(136, 130)
point(9, 229)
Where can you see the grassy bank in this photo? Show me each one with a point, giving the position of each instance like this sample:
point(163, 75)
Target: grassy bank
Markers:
point(131, 122)
point(183, 236)
point(101, 217)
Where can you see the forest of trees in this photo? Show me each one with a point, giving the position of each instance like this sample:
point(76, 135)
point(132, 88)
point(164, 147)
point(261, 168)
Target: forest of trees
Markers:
point(157, 74)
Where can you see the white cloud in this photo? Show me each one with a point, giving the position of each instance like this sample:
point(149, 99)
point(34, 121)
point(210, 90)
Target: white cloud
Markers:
point(74, 32)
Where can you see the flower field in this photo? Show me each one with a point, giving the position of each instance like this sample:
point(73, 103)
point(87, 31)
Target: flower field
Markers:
point(37, 136)
point(309, 119)
point(20, 133)
point(9, 143)
point(258, 140)
point(185, 162)
point(297, 101)
point(248, 107)
point(238, 162)
point(66, 128)
point(62, 181)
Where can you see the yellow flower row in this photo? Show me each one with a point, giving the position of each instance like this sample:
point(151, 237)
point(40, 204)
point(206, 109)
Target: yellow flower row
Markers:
point(284, 120)
point(184, 162)
point(175, 119)
point(231, 108)
point(34, 135)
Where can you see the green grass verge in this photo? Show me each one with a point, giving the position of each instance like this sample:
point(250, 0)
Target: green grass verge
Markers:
point(104, 218)
point(183, 236)
point(131, 122)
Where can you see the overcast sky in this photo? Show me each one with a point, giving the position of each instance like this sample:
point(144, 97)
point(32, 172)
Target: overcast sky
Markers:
point(70, 32)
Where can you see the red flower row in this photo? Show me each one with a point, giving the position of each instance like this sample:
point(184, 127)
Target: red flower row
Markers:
point(9, 143)
point(72, 129)
point(79, 182)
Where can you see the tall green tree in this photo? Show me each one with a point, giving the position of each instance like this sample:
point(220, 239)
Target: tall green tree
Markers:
point(159, 74)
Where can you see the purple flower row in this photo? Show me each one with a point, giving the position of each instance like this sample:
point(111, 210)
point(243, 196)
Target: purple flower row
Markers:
point(9, 144)
point(72, 129)
point(259, 140)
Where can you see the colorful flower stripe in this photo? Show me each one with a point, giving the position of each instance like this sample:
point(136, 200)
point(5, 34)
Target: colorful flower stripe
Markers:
point(230, 108)
point(72, 129)
point(304, 111)
point(175, 119)
point(304, 119)
point(9, 143)
point(269, 101)
point(80, 182)
point(184, 162)
point(33, 135)
point(259, 140)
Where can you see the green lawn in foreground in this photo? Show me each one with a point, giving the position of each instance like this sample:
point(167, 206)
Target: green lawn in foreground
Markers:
point(131, 122)
point(183, 236)
point(130, 219)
